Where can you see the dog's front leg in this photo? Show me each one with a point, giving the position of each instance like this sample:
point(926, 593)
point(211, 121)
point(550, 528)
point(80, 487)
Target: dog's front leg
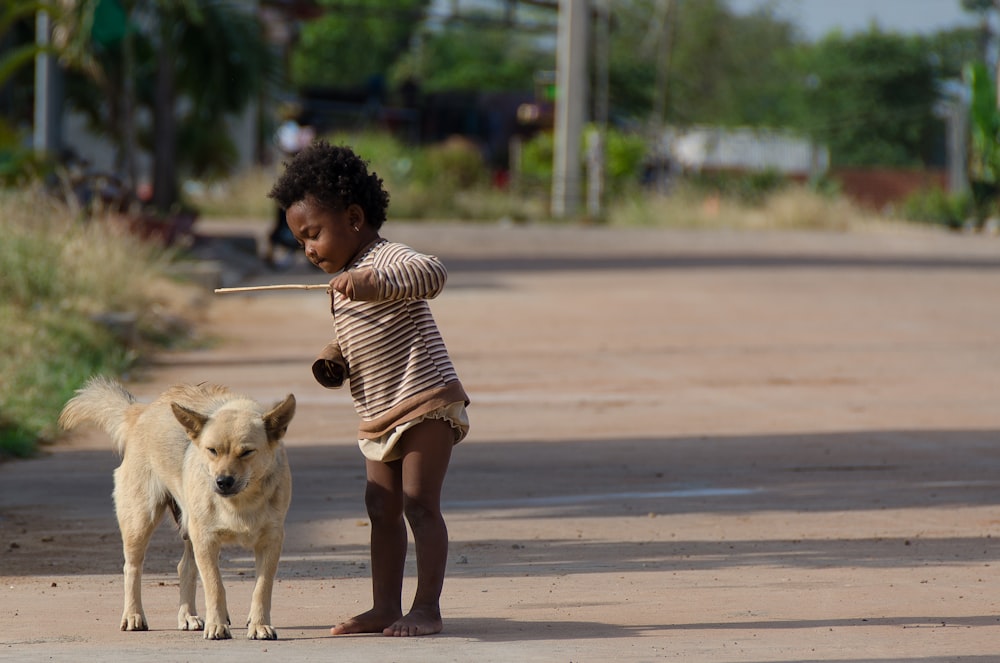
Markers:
point(187, 573)
point(266, 555)
point(206, 554)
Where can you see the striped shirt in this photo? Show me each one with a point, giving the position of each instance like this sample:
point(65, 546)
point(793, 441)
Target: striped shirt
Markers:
point(387, 343)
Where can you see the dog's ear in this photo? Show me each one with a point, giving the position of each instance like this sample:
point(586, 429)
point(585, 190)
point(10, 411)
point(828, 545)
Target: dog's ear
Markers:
point(193, 422)
point(276, 421)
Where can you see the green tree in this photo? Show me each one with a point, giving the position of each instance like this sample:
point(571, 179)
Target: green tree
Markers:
point(871, 98)
point(354, 41)
point(212, 56)
point(714, 66)
point(191, 63)
point(984, 157)
point(480, 53)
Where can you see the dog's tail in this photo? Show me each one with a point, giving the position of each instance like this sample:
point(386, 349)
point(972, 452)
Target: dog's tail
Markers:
point(102, 402)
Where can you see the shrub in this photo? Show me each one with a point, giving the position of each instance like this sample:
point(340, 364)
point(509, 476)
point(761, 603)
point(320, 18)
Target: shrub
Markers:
point(624, 156)
point(750, 188)
point(60, 277)
point(936, 206)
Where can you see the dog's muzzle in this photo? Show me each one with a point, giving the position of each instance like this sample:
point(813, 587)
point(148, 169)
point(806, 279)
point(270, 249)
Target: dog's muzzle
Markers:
point(226, 485)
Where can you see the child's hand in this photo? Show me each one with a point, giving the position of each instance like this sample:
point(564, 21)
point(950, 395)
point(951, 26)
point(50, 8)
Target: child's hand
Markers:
point(343, 284)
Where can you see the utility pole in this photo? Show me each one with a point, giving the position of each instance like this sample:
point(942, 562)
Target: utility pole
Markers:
point(956, 112)
point(571, 84)
point(665, 21)
point(597, 137)
point(46, 134)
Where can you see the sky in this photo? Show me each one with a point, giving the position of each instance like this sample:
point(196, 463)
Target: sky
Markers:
point(818, 17)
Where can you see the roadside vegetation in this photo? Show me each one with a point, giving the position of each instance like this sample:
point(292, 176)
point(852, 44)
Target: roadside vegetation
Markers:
point(450, 181)
point(77, 298)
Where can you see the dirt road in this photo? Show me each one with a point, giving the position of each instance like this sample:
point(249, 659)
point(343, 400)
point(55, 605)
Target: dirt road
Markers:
point(686, 446)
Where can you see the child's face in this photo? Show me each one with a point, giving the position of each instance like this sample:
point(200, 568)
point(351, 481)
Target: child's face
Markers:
point(330, 239)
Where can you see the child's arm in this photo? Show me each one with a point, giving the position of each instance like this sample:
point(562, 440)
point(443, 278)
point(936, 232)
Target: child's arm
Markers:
point(409, 275)
point(330, 368)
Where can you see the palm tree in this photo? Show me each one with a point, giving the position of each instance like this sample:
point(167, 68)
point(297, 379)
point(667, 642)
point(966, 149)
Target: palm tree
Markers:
point(191, 63)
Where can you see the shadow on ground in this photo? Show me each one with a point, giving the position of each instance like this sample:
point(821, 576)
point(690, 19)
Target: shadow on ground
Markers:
point(628, 478)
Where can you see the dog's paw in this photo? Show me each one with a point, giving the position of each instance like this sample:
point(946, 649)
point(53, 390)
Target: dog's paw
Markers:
point(261, 632)
point(217, 632)
point(186, 622)
point(135, 621)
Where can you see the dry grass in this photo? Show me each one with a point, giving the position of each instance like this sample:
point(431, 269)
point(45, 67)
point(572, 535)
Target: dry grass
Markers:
point(243, 196)
point(791, 208)
point(65, 281)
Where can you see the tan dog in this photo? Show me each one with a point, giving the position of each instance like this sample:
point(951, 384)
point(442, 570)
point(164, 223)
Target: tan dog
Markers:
point(216, 459)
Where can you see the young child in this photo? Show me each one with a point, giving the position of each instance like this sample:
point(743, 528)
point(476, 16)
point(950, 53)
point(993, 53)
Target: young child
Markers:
point(405, 389)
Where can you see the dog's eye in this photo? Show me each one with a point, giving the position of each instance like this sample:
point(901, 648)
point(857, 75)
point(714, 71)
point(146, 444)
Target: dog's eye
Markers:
point(212, 452)
point(247, 453)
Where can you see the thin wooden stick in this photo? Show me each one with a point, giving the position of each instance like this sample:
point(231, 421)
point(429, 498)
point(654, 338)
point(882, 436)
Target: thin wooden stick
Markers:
point(286, 286)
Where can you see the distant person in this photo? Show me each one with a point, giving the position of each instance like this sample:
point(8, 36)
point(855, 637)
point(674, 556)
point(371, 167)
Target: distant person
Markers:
point(291, 138)
point(405, 388)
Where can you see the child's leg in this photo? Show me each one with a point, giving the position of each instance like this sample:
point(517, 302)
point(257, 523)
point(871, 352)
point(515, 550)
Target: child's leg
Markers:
point(384, 501)
point(427, 452)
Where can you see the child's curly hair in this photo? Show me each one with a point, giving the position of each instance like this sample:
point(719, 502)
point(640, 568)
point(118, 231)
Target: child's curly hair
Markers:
point(335, 177)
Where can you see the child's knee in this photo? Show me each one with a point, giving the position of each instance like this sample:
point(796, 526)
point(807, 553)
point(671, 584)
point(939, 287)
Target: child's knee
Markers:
point(418, 513)
point(381, 504)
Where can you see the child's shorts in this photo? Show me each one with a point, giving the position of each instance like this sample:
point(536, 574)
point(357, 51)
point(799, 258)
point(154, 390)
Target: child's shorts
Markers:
point(385, 448)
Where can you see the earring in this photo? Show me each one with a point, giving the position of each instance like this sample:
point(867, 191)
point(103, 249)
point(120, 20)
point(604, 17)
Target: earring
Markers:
point(356, 229)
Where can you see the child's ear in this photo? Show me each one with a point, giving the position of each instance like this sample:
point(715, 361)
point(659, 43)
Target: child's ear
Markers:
point(355, 214)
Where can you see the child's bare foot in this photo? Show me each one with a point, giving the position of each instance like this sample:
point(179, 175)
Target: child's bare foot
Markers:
point(420, 621)
point(373, 621)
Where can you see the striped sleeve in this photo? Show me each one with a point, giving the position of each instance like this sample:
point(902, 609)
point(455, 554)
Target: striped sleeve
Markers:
point(403, 273)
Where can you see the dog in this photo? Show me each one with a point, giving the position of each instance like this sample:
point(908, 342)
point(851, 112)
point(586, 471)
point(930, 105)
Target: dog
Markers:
point(217, 461)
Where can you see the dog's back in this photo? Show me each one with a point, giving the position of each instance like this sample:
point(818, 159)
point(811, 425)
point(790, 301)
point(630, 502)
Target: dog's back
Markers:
point(103, 402)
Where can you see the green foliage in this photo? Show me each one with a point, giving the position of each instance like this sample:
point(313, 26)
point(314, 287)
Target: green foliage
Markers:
point(871, 99)
point(44, 358)
point(59, 276)
point(224, 62)
point(394, 161)
point(18, 164)
point(536, 160)
point(937, 206)
point(17, 57)
point(984, 164)
point(206, 150)
point(448, 180)
point(476, 56)
point(723, 68)
point(219, 61)
point(456, 164)
point(405, 171)
point(354, 41)
point(624, 156)
point(949, 51)
point(984, 156)
point(751, 188)
point(624, 153)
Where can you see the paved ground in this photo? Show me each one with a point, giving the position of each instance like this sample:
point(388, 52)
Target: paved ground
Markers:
point(686, 446)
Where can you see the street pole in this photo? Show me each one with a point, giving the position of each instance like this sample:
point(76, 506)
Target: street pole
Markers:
point(46, 130)
point(571, 83)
